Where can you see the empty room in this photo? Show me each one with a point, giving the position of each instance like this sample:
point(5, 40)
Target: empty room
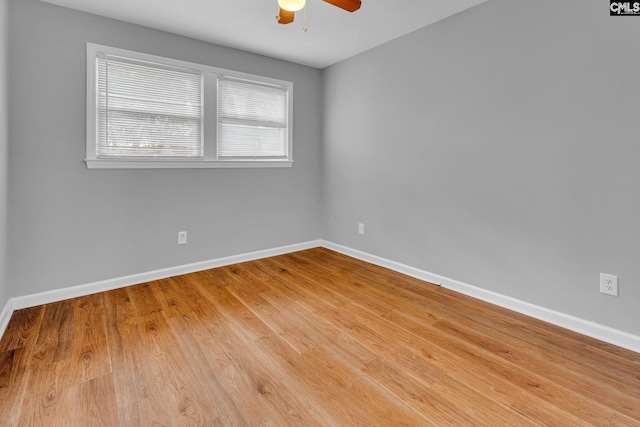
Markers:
point(319, 213)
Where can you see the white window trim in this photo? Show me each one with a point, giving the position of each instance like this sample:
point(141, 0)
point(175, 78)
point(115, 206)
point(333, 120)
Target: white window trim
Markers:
point(210, 160)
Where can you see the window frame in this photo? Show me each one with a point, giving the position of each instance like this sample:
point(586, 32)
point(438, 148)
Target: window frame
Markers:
point(210, 77)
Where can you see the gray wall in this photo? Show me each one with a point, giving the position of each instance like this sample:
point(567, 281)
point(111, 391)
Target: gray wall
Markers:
point(4, 146)
point(70, 225)
point(498, 147)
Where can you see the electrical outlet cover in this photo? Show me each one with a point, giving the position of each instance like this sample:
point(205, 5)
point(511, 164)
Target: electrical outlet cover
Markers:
point(609, 284)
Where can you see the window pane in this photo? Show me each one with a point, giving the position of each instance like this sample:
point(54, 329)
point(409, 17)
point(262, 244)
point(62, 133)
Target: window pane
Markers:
point(148, 111)
point(252, 141)
point(252, 119)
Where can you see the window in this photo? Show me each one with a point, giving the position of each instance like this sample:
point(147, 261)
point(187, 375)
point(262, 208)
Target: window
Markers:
point(148, 111)
point(145, 111)
point(245, 127)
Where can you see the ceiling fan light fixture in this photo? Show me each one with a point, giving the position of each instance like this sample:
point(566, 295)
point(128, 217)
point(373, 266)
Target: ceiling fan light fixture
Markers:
point(291, 5)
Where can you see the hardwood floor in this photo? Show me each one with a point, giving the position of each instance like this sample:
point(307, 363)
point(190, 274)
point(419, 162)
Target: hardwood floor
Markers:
point(312, 338)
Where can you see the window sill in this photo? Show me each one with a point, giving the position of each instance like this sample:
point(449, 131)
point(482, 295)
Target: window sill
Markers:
point(184, 164)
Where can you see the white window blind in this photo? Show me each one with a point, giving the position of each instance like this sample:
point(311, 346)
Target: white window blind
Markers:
point(252, 119)
point(148, 110)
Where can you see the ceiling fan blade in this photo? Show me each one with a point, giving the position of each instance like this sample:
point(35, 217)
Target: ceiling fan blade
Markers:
point(348, 5)
point(285, 17)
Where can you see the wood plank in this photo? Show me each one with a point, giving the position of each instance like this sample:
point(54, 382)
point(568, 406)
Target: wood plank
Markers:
point(339, 382)
point(89, 358)
point(186, 399)
point(53, 343)
point(305, 319)
point(15, 360)
point(22, 328)
point(14, 377)
point(45, 401)
point(137, 395)
point(95, 403)
point(243, 335)
point(340, 349)
point(197, 325)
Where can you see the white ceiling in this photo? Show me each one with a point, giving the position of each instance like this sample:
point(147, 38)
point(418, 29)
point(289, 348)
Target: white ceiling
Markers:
point(333, 34)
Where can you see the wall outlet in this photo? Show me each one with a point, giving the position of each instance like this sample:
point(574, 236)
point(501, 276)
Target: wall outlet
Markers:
point(182, 237)
point(609, 284)
point(360, 228)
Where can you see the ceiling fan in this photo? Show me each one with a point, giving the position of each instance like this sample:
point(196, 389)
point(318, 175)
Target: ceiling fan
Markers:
point(288, 8)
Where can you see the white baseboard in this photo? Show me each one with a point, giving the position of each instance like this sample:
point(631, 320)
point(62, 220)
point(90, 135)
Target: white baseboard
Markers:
point(5, 316)
point(119, 282)
point(585, 327)
point(31, 300)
